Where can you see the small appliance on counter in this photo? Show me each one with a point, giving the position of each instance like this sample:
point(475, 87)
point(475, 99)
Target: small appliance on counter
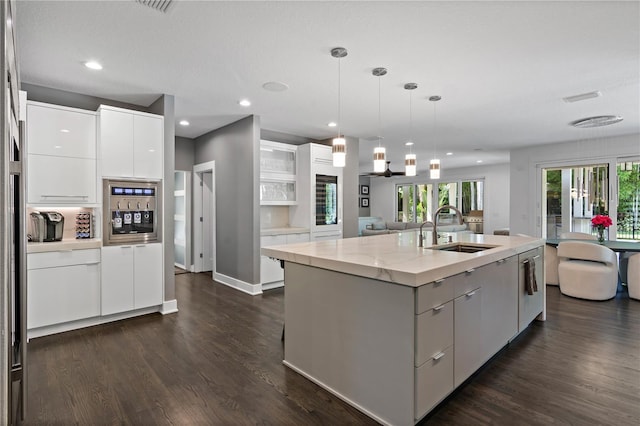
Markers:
point(47, 226)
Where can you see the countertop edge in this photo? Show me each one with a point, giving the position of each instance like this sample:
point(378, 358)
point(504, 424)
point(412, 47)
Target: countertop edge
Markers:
point(35, 247)
point(445, 263)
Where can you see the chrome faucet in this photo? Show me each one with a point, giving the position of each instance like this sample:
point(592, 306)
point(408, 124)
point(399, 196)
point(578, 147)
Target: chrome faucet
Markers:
point(435, 225)
point(421, 237)
point(435, 221)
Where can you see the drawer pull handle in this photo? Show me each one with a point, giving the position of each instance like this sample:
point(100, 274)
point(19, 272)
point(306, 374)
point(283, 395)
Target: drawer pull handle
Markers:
point(141, 245)
point(438, 356)
point(63, 196)
point(470, 270)
point(440, 281)
point(438, 308)
point(500, 261)
point(537, 256)
point(471, 293)
point(124, 247)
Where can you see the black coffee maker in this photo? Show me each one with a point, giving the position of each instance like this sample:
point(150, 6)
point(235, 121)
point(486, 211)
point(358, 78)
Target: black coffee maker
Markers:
point(47, 226)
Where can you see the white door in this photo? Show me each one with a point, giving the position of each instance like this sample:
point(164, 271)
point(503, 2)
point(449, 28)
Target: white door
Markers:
point(207, 221)
point(204, 217)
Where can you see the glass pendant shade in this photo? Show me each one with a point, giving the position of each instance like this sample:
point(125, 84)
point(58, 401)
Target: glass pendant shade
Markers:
point(339, 152)
point(410, 165)
point(379, 161)
point(434, 169)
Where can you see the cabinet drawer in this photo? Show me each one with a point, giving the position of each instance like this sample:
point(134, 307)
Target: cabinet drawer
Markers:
point(58, 295)
point(270, 270)
point(297, 238)
point(54, 259)
point(434, 294)
point(433, 381)
point(434, 332)
point(272, 240)
point(467, 281)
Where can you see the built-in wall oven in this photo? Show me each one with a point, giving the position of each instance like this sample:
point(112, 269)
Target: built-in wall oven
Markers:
point(132, 211)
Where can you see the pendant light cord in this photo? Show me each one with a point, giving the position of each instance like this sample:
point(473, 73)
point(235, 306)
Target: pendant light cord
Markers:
point(339, 111)
point(410, 120)
point(379, 116)
point(435, 138)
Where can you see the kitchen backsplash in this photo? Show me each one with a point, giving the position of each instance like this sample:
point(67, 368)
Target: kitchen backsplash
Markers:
point(69, 214)
point(274, 217)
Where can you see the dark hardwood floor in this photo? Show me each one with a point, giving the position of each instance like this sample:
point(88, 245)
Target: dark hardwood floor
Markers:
point(219, 362)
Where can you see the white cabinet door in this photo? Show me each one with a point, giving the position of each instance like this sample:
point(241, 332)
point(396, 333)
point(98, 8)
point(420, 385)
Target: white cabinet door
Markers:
point(60, 131)
point(148, 144)
point(116, 142)
point(117, 279)
point(148, 270)
point(530, 306)
point(298, 238)
point(61, 180)
point(58, 295)
point(467, 345)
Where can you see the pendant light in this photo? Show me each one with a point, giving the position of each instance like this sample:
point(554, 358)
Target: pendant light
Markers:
point(434, 164)
point(339, 148)
point(379, 160)
point(410, 158)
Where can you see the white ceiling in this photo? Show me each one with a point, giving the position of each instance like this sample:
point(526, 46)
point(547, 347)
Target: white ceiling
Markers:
point(502, 68)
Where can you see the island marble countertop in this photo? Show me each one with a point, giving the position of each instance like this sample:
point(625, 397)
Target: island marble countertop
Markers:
point(396, 258)
point(64, 245)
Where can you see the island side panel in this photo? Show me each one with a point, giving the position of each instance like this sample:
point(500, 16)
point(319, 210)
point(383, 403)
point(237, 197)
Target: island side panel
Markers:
point(353, 336)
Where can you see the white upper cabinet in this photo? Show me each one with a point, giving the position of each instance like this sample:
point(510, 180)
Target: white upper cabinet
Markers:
point(116, 142)
point(61, 131)
point(148, 144)
point(61, 155)
point(131, 143)
point(277, 160)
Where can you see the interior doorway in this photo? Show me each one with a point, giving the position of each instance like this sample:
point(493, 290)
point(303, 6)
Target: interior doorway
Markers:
point(204, 217)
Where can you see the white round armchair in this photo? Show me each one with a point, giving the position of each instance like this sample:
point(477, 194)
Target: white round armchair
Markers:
point(587, 270)
point(633, 276)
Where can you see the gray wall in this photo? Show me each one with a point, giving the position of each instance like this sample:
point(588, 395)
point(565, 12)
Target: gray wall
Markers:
point(165, 106)
point(236, 151)
point(73, 100)
point(185, 154)
point(364, 211)
point(271, 135)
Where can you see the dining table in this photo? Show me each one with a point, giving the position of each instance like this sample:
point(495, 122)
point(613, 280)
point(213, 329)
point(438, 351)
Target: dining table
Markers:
point(615, 245)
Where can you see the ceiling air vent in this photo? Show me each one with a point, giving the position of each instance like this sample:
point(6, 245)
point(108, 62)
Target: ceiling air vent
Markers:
point(599, 121)
point(582, 97)
point(160, 5)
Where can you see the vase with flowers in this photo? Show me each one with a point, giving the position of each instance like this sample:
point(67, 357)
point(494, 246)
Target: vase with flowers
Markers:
point(601, 222)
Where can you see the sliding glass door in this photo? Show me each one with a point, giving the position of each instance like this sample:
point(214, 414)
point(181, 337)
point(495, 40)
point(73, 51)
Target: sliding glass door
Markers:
point(574, 194)
point(628, 211)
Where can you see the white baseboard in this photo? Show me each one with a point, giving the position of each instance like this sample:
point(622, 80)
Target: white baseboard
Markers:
point(87, 322)
point(252, 289)
point(169, 307)
point(271, 286)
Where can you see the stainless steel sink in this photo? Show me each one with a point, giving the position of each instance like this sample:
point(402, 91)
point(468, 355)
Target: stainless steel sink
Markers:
point(462, 247)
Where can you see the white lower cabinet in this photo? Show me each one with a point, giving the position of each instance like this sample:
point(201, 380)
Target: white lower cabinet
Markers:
point(434, 381)
point(62, 286)
point(131, 277)
point(270, 269)
point(530, 305)
point(467, 337)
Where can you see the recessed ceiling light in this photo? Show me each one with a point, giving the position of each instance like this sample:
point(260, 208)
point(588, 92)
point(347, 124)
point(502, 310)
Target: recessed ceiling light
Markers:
point(184, 123)
point(93, 65)
point(152, 150)
point(478, 161)
point(275, 86)
point(449, 153)
point(332, 124)
point(245, 102)
point(57, 147)
point(64, 130)
point(583, 96)
point(409, 143)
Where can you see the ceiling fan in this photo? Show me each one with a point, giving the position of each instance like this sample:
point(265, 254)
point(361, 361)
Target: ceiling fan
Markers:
point(387, 173)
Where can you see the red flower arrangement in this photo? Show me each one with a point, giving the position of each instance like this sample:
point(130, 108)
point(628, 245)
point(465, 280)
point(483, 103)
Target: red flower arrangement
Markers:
point(601, 221)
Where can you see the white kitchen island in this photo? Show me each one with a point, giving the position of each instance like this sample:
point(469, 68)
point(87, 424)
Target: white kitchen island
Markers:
point(392, 328)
